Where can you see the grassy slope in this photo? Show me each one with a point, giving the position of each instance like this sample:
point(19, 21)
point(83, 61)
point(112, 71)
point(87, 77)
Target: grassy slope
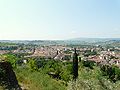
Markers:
point(37, 80)
point(91, 79)
point(88, 79)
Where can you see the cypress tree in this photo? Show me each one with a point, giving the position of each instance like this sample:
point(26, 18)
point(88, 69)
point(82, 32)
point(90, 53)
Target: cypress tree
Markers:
point(75, 64)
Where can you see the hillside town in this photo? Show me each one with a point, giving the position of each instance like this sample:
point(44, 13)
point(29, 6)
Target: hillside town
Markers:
point(96, 53)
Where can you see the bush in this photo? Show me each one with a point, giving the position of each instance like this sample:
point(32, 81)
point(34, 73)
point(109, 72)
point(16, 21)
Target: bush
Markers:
point(89, 64)
point(112, 72)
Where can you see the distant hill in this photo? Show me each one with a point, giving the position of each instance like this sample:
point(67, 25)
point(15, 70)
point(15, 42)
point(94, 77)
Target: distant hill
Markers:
point(83, 41)
point(93, 40)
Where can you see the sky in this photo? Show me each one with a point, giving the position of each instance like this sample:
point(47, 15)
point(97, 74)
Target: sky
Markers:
point(59, 19)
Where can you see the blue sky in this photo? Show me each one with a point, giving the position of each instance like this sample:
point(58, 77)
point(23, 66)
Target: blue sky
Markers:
point(59, 19)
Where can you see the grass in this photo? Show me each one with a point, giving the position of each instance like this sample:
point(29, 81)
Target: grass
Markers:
point(34, 80)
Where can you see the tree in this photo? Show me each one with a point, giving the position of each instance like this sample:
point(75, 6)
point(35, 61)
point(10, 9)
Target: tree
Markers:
point(75, 64)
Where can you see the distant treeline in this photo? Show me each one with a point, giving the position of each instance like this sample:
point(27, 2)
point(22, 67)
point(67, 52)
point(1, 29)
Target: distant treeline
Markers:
point(8, 47)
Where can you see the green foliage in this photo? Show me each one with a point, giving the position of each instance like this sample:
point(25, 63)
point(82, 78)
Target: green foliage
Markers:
point(89, 53)
point(2, 72)
point(92, 79)
point(7, 44)
point(112, 72)
point(41, 74)
point(93, 84)
point(67, 57)
point(8, 47)
point(67, 51)
point(58, 70)
point(66, 73)
point(89, 64)
point(75, 64)
point(32, 64)
point(11, 58)
point(34, 80)
point(52, 66)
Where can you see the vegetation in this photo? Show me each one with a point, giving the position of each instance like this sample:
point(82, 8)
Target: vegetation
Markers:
point(75, 64)
point(7, 44)
point(89, 53)
point(11, 58)
point(48, 74)
point(92, 79)
point(111, 72)
point(34, 80)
